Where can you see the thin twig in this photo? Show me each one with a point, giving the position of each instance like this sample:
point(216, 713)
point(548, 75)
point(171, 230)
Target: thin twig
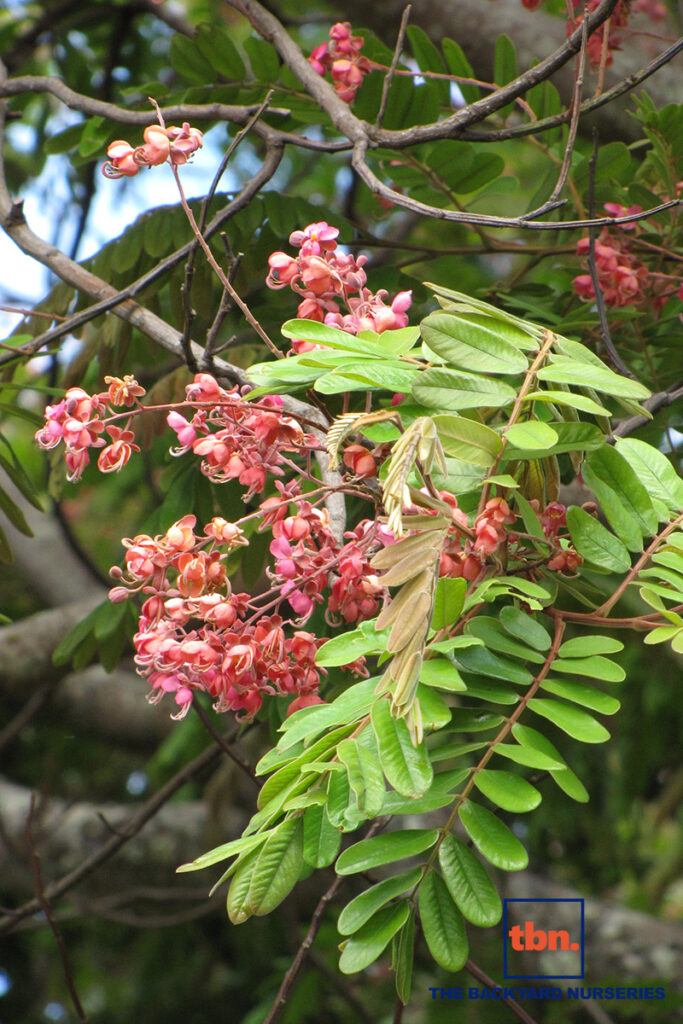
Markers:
point(248, 315)
point(388, 78)
point(24, 716)
point(302, 951)
point(511, 1004)
point(610, 348)
point(47, 910)
point(225, 744)
point(576, 112)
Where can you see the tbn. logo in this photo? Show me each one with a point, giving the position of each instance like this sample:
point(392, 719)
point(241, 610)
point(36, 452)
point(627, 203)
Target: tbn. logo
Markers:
point(537, 945)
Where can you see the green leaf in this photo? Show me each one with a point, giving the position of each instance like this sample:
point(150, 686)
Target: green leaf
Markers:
point(404, 948)
point(238, 893)
point(518, 624)
point(343, 649)
point(235, 846)
point(215, 44)
point(442, 923)
point(186, 58)
point(448, 602)
point(17, 474)
point(333, 337)
point(570, 399)
point(471, 346)
point(572, 437)
point(439, 795)
point(486, 663)
point(459, 65)
point(490, 631)
point(492, 838)
point(585, 646)
point(567, 371)
point(445, 389)
point(654, 471)
point(14, 514)
point(442, 675)
point(366, 777)
point(67, 647)
point(265, 63)
point(385, 849)
point(533, 434)
point(468, 440)
point(356, 913)
point(527, 756)
point(473, 720)
point(348, 707)
point(591, 698)
point(468, 882)
point(505, 61)
point(383, 376)
point(533, 740)
point(370, 941)
point(507, 790)
point(573, 721)
point(595, 543)
point(407, 768)
point(276, 868)
point(321, 839)
point(595, 666)
point(435, 711)
point(609, 466)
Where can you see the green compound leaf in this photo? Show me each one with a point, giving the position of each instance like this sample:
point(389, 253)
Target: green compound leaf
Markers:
point(492, 838)
point(524, 627)
point(407, 768)
point(321, 839)
point(370, 941)
point(508, 791)
point(385, 849)
point(574, 721)
point(469, 884)
point(442, 923)
point(595, 543)
point(361, 908)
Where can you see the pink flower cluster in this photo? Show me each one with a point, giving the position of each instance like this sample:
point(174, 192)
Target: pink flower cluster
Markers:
point(620, 275)
point(78, 421)
point(249, 440)
point(342, 58)
point(565, 558)
point(466, 560)
point(614, 26)
point(162, 145)
point(307, 553)
point(196, 635)
point(324, 277)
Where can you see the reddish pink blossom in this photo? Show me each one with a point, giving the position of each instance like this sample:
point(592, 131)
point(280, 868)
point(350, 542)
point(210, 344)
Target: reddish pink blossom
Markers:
point(115, 456)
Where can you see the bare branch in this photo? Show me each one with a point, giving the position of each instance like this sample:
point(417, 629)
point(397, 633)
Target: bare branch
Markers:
point(389, 77)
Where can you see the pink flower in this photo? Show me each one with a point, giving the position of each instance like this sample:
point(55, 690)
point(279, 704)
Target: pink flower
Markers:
point(122, 161)
point(115, 456)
